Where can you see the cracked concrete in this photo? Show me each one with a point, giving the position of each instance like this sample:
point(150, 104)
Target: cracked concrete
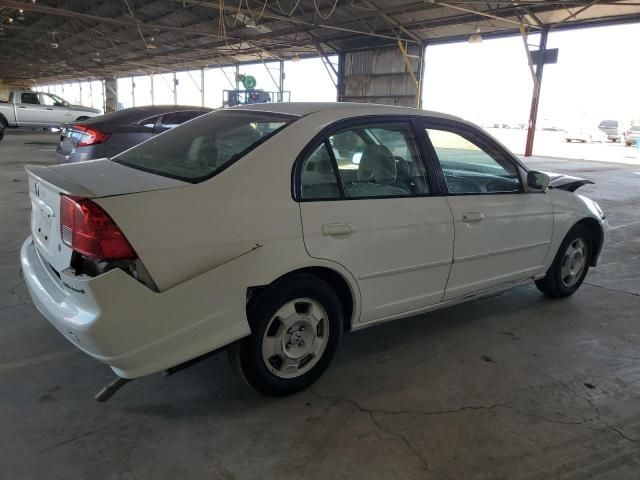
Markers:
point(513, 386)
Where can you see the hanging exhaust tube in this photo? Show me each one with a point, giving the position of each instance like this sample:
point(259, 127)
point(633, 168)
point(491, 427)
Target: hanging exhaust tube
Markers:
point(109, 391)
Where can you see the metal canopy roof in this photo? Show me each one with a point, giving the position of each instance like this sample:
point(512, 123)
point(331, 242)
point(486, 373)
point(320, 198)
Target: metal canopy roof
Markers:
point(82, 39)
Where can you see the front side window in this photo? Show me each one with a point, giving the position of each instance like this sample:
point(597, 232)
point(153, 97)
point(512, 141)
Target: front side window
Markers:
point(199, 149)
point(375, 160)
point(46, 99)
point(470, 169)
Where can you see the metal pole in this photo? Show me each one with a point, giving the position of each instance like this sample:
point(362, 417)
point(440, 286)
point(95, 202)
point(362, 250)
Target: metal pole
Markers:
point(423, 69)
point(341, 76)
point(202, 87)
point(535, 99)
point(281, 81)
point(175, 89)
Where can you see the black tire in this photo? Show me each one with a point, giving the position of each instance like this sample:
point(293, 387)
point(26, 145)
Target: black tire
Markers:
point(1, 132)
point(246, 355)
point(553, 285)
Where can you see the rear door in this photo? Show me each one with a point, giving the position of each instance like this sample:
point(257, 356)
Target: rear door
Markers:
point(502, 231)
point(368, 204)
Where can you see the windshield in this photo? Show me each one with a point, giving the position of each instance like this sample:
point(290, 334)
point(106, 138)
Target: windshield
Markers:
point(200, 148)
point(59, 101)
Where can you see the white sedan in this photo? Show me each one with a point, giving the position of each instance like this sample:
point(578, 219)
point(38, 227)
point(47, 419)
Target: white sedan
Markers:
point(272, 229)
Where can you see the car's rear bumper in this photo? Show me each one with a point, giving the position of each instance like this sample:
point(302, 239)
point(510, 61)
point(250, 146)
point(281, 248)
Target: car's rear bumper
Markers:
point(119, 321)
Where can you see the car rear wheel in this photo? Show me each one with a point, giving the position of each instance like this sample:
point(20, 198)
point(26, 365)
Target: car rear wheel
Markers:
point(296, 327)
point(1, 131)
point(570, 266)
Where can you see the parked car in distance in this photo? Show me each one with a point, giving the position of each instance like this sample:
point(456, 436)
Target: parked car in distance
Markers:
point(271, 229)
point(612, 129)
point(631, 135)
point(585, 134)
point(39, 110)
point(110, 134)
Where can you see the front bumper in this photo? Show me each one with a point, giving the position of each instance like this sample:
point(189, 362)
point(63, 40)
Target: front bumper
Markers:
point(120, 322)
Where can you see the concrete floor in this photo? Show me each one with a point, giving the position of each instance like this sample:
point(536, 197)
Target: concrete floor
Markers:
point(513, 386)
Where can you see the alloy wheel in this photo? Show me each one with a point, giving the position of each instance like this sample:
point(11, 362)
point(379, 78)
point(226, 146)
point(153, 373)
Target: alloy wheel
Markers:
point(574, 262)
point(295, 338)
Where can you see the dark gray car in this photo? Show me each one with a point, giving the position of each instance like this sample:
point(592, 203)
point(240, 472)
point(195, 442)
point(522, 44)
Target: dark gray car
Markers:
point(113, 133)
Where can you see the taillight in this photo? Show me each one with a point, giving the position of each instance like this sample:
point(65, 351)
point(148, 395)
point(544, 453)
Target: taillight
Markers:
point(89, 230)
point(90, 136)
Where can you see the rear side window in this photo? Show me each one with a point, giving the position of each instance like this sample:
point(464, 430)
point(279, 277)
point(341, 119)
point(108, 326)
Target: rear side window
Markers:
point(149, 122)
point(378, 160)
point(199, 149)
point(318, 177)
point(30, 97)
point(371, 161)
point(171, 120)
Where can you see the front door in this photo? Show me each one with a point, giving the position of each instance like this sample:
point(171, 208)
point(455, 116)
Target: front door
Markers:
point(502, 231)
point(29, 110)
point(366, 203)
point(58, 113)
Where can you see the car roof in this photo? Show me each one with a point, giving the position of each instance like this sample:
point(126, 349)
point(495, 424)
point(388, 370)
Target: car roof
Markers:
point(340, 108)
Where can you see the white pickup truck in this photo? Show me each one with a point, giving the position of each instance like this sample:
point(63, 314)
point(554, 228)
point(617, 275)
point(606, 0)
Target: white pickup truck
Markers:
point(39, 110)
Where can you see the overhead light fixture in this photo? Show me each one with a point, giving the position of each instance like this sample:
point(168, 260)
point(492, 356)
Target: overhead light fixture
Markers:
point(10, 20)
point(20, 15)
point(151, 44)
point(475, 37)
point(295, 58)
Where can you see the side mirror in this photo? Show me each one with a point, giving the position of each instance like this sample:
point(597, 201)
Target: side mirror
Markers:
point(538, 180)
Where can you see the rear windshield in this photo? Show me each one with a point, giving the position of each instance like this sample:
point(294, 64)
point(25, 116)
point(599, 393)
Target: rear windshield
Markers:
point(200, 148)
point(608, 124)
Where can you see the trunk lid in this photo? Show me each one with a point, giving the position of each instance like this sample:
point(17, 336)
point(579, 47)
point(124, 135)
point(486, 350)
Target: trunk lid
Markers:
point(93, 179)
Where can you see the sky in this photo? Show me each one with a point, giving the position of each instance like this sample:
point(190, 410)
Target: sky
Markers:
point(597, 77)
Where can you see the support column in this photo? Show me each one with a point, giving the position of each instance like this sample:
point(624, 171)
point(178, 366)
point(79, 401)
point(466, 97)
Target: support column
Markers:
point(535, 99)
point(341, 76)
point(110, 95)
point(281, 82)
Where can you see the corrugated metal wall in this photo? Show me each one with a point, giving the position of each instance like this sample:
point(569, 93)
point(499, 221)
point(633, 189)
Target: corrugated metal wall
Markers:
point(381, 76)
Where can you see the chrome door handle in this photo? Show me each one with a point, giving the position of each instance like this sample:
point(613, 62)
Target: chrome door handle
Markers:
point(472, 217)
point(334, 229)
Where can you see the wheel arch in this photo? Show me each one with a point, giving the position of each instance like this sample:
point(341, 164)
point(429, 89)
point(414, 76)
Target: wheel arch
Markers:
point(597, 237)
point(3, 121)
point(339, 284)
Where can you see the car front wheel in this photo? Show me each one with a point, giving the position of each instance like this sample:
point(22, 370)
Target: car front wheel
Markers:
point(570, 266)
point(296, 327)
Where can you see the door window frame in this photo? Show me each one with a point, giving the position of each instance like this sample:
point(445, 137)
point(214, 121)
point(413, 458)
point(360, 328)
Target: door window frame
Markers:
point(353, 122)
point(479, 138)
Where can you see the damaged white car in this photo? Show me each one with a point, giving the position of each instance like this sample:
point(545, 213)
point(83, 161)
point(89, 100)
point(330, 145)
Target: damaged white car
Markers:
point(273, 229)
